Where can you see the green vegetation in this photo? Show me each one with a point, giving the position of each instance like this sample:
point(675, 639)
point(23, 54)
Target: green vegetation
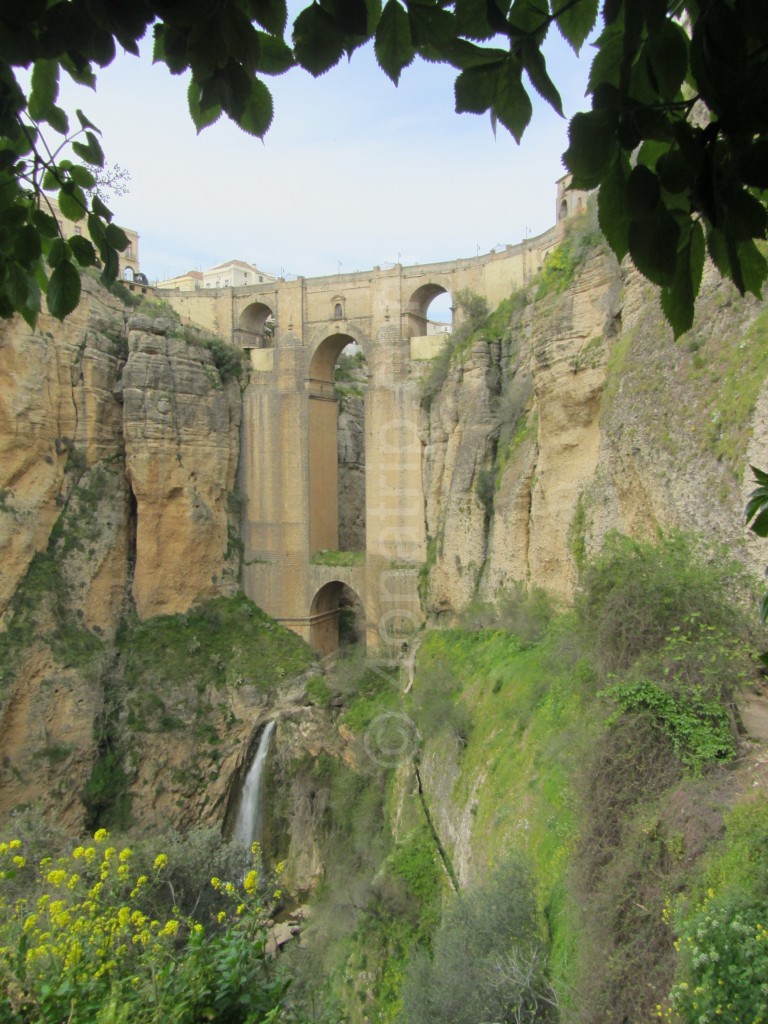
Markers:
point(338, 558)
point(227, 641)
point(488, 962)
point(474, 309)
point(83, 939)
point(722, 927)
point(561, 265)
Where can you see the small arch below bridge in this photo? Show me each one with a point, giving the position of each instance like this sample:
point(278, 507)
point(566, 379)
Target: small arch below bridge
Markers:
point(256, 327)
point(337, 618)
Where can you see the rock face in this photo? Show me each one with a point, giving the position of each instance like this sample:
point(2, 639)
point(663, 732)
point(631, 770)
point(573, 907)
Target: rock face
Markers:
point(181, 429)
point(587, 416)
point(118, 451)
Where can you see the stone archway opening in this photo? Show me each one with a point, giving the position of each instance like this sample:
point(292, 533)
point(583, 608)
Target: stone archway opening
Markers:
point(256, 327)
point(337, 386)
point(337, 619)
point(429, 312)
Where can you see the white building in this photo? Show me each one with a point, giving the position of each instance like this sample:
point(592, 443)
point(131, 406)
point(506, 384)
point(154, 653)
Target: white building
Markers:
point(232, 274)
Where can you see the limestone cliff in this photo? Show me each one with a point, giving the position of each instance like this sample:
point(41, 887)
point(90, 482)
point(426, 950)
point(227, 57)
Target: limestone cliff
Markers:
point(581, 414)
point(118, 452)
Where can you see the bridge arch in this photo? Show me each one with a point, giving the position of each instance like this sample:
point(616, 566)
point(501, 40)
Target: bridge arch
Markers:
point(256, 326)
point(324, 456)
point(326, 348)
point(337, 618)
point(416, 309)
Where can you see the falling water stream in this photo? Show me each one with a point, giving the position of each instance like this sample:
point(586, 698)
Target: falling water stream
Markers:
point(250, 813)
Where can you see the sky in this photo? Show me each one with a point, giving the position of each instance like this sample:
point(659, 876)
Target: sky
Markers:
point(353, 173)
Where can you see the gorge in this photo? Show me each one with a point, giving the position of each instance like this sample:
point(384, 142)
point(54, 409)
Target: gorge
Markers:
point(135, 672)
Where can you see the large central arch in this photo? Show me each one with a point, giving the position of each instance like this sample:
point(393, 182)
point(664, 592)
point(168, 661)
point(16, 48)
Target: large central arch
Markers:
point(323, 444)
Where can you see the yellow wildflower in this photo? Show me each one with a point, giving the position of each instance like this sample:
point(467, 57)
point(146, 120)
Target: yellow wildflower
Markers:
point(160, 861)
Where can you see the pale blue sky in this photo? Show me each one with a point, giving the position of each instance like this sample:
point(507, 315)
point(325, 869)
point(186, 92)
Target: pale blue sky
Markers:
point(354, 172)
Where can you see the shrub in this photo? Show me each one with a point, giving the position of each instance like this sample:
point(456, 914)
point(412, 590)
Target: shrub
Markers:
point(633, 594)
point(723, 949)
point(687, 687)
point(80, 948)
point(489, 962)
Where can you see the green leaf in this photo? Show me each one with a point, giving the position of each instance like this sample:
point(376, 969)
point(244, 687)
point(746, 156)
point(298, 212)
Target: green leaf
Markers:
point(97, 230)
point(764, 618)
point(17, 284)
point(512, 105)
point(111, 266)
point(115, 237)
point(612, 213)
point(63, 290)
point(753, 267)
point(679, 300)
point(753, 164)
point(72, 202)
point(575, 20)
point(82, 176)
point(83, 251)
point(475, 89)
point(472, 19)
point(27, 245)
point(91, 151)
point(393, 46)
point(642, 194)
point(201, 118)
point(84, 122)
point(317, 41)
point(653, 246)
point(271, 15)
point(276, 55)
point(101, 211)
point(257, 115)
point(536, 68)
point(45, 224)
point(44, 89)
point(58, 252)
point(757, 510)
point(58, 120)
point(592, 147)
point(606, 67)
point(667, 55)
point(82, 74)
point(240, 38)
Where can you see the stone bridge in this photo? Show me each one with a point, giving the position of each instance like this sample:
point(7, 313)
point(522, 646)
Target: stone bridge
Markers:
point(295, 331)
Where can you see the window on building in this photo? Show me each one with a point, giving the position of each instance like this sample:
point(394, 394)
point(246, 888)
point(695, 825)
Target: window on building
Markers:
point(260, 279)
point(338, 312)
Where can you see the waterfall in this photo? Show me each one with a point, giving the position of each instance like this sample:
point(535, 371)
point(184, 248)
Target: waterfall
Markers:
point(250, 813)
